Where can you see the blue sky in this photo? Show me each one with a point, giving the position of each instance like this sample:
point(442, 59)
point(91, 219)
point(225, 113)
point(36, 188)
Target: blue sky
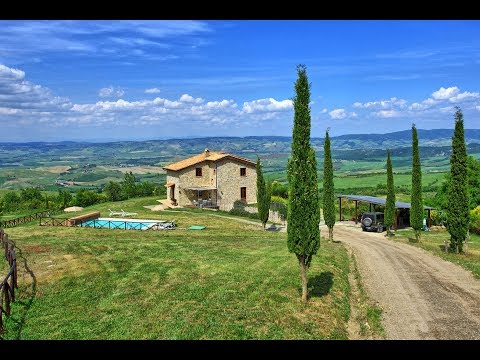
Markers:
point(132, 80)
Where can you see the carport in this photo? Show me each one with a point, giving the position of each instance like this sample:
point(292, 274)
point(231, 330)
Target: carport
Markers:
point(372, 200)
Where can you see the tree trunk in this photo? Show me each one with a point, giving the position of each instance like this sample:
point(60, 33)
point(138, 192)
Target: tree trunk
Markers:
point(417, 235)
point(264, 224)
point(304, 279)
point(330, 234)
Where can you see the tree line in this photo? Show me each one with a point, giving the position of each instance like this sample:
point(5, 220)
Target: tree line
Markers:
point(33, 198)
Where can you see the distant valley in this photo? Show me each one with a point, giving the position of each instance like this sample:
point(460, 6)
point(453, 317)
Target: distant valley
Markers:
point(357, 158)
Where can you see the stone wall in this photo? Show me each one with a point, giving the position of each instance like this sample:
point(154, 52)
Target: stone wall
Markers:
point(229, 182)
point(223, 174)
point(273, 216)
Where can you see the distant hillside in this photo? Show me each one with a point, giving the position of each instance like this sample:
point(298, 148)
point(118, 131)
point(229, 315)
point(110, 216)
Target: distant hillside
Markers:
point(94, 164)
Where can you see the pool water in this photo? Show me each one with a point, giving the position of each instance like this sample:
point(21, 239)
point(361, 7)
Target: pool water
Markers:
point(128, 224)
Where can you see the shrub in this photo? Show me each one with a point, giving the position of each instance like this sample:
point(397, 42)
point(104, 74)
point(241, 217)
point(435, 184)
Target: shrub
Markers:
point(474, 225)
point(239, 210)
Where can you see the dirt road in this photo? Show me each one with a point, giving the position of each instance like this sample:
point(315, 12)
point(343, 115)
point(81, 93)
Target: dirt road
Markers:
point(422, 296)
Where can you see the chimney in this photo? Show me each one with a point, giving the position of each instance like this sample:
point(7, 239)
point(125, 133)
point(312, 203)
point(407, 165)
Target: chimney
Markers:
point(207, 152)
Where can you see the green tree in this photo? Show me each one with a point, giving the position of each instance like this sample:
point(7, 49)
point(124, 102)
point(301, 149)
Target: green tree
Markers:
point(416, 209)
point(278, 189)
point(113, 191)
point(86, 198)
point(390, 202)
point(11, 201)
point(128, 185)
point(303, 216)
point(145, 188)
point(473, 179)
point(457, 209)
point(328, 189)
point(264, 194)
point(64, 198)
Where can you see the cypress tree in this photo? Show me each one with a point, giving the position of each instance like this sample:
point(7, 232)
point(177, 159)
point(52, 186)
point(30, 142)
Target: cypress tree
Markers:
point(264, 194)
point(457, 209)
point(328, 189)
point(390, 202)
point(416, 210)
point(303, 215)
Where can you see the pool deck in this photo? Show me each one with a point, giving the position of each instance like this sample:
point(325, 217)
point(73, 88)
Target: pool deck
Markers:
point(131, 220)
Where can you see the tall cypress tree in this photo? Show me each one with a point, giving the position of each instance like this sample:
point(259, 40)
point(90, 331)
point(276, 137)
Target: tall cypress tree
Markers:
point(457, 208)
point(264, 194)
point(416, 210)
point(303, 214)
point(328, 189)
point(390, 202)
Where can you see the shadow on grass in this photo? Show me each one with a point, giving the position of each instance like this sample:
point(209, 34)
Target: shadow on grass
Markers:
point(412, 240)
point(274, 227)
point(320, 285)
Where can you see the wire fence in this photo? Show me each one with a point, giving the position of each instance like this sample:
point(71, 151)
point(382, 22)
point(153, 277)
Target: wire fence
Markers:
point(9, 284)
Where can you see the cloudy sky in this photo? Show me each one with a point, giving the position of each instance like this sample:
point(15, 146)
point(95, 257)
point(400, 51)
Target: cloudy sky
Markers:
point(133, 80)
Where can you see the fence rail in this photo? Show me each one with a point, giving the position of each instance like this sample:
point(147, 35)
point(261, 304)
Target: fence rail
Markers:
point(54, 222)
point(111, 224)
point(9, 284)
point(24, 219)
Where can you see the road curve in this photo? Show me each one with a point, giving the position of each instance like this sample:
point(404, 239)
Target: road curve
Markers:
point(422, 295)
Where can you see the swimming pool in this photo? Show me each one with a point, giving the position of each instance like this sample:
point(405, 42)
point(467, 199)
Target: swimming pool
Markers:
point(115, 223)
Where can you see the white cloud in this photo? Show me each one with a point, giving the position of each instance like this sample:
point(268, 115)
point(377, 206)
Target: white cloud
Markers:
point(99, 38)
point(18, 96)
point(152, 91)
point(445, 93)
point(264, 105)
point(477, 107)
point(190, 99)
point(323, 111)
point(338, 114)
point(387, 113)
point(111, 92)
point(465, 96)
point(383, 104)
point(221, 104)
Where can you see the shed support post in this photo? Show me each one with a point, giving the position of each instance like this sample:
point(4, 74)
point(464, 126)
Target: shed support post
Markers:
point(356, 211)
point(340, 207)
point(429, 222)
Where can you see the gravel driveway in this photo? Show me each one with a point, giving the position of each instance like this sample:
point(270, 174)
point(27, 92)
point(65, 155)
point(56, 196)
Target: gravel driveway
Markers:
point(422, 295)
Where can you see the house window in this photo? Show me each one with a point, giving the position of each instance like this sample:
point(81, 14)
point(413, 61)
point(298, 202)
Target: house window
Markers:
point(198, 171)
point(243, 171)
point(243, 193)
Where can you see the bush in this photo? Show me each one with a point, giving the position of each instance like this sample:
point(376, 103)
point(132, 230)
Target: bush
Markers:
point(474, 225)
point(239, 210)
point(279, 190)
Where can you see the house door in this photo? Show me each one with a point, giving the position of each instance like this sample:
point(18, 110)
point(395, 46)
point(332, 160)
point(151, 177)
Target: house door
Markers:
point(172, 192)
point(243, 193)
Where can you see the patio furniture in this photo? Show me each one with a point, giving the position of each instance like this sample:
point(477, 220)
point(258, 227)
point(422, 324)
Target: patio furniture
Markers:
point(125, 213)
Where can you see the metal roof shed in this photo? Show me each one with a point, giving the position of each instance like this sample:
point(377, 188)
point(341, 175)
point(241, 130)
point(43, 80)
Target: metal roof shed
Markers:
point(378, 201)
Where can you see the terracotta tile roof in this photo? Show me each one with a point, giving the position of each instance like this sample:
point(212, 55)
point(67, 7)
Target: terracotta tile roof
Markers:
point(169, 184)
point(207, 155)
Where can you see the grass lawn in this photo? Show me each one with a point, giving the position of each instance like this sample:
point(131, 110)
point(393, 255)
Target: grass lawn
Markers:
point(433, 241)
point(229, 281)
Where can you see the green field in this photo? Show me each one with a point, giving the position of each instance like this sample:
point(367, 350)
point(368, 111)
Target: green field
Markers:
point(229, 281)
point(372, 180)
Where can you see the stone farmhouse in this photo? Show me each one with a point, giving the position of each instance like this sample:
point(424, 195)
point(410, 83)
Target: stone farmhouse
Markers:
point(211, 180)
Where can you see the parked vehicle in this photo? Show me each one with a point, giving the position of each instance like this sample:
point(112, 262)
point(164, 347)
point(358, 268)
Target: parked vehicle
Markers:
point(373, 221)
